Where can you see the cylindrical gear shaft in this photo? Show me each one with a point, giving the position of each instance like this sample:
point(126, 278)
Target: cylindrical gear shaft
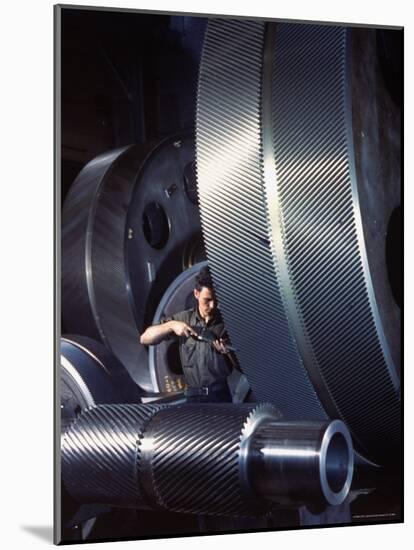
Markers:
point(215, 459)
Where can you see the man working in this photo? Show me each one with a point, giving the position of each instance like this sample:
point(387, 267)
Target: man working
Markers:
point(205, 358)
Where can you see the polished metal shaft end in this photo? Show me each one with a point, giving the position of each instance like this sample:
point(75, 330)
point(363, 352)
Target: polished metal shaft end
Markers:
point(293, 462)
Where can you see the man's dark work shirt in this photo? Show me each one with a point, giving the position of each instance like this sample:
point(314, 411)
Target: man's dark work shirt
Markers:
point(202, 364)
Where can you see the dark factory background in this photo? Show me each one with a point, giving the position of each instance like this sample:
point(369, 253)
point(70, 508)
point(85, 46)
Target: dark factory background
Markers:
point(126, 78)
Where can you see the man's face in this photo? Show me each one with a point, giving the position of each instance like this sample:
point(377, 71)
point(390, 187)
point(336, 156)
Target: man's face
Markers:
point(206, 302)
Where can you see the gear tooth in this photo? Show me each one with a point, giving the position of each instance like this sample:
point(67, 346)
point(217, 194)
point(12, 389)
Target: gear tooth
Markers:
point(259, 412)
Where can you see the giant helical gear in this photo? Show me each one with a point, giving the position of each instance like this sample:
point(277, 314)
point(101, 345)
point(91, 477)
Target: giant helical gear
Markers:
point(288, 240)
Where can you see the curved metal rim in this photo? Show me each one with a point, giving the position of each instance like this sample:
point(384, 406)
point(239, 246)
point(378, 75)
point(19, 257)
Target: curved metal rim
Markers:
point(335, 498)
point(87, 351)
point(88, 242)
point(78, 380)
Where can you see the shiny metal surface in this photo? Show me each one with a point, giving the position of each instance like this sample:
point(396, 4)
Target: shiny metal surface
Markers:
point(260, 414)
point(299, 461)
point(280, 210)
point(213, 459)
point(95, 296)
point(191, 457)
point(101, 454)
point(234, 215)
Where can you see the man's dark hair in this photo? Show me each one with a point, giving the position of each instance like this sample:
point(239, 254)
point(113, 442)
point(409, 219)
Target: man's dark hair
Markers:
point(203, 279)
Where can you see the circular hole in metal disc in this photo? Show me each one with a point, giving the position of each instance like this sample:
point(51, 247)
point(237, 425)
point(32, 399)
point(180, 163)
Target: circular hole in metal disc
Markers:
point(337, 458)
point(155, 225)
point(393, 254)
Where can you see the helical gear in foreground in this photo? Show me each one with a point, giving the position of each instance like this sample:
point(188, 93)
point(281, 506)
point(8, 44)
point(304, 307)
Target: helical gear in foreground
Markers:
point(213, 459)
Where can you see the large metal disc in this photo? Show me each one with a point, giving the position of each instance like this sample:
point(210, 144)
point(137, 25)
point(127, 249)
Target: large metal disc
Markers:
point(95, 297)
point(129, 226)
point(287, 236)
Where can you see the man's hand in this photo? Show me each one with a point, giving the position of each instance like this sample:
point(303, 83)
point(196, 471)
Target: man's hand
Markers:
point(157, 333)
point(220, 346)
point(182, 329)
